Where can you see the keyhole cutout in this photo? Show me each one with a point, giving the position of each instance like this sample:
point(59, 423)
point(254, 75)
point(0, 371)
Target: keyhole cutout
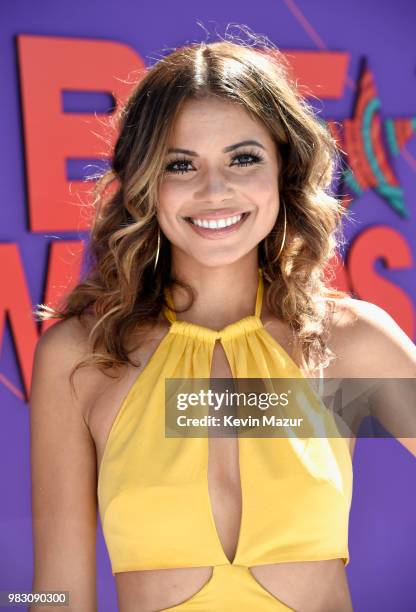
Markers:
point(224, 479)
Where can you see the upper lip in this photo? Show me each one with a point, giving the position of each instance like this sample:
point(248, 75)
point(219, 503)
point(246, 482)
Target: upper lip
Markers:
point(218, 214)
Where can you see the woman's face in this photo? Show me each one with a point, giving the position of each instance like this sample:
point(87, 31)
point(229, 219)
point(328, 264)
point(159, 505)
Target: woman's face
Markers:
point(221, 164)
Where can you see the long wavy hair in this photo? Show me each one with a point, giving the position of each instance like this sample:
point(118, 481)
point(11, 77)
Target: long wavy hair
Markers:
point(120, 289)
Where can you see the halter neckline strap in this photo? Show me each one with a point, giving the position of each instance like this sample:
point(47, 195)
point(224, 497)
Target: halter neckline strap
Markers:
point(248, 323)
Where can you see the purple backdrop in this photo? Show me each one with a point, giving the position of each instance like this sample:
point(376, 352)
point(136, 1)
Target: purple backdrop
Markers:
point(381, 573)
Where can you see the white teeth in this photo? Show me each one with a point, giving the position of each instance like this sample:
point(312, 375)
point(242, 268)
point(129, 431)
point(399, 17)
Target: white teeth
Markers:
point(217, 224)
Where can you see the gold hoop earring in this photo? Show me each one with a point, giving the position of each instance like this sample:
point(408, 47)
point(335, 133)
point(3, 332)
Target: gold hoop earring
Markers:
point(157, 249)
point(283, 240)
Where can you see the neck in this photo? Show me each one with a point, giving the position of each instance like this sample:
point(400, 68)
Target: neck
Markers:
point(223, 294)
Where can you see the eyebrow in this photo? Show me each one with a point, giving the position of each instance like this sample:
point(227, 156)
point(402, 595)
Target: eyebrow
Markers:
point(226, 150)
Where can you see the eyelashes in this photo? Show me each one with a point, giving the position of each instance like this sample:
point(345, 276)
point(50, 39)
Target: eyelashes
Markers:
point(255, 159)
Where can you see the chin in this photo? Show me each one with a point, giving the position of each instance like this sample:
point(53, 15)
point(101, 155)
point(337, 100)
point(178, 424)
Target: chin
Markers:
point(212, 262)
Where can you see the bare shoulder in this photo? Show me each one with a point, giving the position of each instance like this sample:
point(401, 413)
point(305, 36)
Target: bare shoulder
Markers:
point(70, 334)
point(67, 343)
point(59, 349)
point(369, 341)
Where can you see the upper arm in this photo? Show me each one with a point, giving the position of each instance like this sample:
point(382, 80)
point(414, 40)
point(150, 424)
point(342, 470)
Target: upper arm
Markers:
point(377, 348)
point(63, 473)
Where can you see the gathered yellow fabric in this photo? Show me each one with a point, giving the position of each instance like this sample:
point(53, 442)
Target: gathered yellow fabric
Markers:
point(153, 495)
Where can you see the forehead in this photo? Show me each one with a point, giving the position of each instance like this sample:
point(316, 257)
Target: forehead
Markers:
point(214, 117)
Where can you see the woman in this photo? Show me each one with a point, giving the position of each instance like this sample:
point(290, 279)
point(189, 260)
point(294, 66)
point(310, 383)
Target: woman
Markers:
point(219, 191)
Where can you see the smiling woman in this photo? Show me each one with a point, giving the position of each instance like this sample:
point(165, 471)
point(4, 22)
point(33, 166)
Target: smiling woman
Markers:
point(215, 190)
point(222, 176)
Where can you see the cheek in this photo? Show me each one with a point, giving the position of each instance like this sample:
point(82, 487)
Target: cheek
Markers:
point(169, 199)
point(264, 192)
point(262, 180)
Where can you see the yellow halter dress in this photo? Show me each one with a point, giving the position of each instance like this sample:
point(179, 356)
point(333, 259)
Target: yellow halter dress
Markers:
point(153, 496)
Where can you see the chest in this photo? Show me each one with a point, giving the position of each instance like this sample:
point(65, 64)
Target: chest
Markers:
point(110, 393)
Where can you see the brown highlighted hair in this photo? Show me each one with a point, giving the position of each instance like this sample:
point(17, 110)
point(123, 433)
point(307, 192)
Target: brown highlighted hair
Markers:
point(120, 289)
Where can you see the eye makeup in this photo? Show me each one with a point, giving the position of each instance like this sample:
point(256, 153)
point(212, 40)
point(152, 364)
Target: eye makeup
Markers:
point(256, 158)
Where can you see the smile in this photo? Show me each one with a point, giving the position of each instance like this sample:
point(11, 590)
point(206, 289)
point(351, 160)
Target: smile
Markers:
point(217, 223)
point(217, 227)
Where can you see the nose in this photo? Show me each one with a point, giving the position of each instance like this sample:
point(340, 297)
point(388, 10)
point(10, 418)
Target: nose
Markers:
point(214, 187)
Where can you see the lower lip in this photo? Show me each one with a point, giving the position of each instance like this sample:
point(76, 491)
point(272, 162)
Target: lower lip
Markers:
point(218, 233)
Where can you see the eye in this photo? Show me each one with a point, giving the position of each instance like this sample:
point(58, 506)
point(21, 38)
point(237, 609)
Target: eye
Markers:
point(177, 166)
point(181, 164)
point(248, 158)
